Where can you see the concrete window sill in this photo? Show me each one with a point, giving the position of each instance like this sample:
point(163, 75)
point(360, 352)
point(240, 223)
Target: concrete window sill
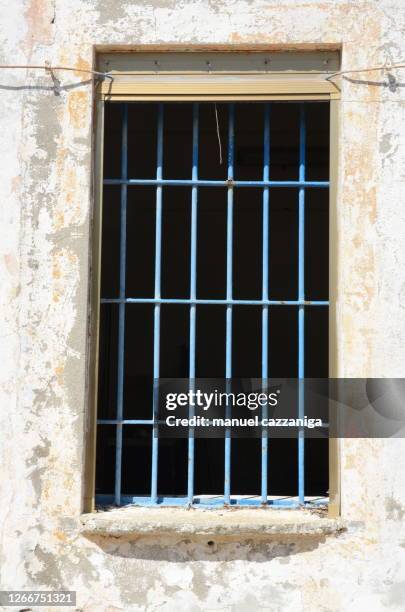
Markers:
point(230, 524)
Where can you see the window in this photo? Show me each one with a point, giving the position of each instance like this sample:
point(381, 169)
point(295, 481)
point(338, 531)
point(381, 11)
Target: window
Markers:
point(214, 263)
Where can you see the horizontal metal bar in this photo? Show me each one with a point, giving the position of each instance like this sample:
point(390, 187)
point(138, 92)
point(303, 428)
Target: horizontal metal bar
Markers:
point(225, 183)
point(216, 302)
point(150, 422)
point(211, 502)
point(125, 422)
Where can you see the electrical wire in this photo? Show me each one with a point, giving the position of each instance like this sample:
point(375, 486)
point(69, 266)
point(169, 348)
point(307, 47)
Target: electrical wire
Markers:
point(107, 75)
point(49, 68)
point(386, 67)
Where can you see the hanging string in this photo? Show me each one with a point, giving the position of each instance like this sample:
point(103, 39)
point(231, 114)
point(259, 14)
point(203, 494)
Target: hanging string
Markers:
point(218, 134)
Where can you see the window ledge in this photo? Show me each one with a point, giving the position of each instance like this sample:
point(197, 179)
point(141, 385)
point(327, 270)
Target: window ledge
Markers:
point(134, 522)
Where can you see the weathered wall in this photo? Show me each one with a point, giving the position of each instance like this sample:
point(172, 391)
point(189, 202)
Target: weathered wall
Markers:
point(45, 204)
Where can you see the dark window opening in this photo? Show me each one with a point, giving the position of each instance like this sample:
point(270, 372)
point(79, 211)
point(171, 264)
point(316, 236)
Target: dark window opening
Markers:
point(136, 462)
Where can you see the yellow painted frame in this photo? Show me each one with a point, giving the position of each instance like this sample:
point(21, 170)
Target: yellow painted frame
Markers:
point(133, 87)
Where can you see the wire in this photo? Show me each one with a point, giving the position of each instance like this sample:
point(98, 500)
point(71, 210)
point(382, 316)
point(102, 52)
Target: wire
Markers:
point(108, 75)
point(49, 68)
point(385, 67)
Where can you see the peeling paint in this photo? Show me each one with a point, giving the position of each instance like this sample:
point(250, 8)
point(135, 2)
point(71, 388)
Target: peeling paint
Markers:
point(45, 211)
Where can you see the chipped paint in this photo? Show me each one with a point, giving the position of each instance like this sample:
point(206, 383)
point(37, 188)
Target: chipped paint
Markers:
point(45, 211)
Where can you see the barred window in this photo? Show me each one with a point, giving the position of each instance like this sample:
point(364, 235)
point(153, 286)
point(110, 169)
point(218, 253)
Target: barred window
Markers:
point(214, 263)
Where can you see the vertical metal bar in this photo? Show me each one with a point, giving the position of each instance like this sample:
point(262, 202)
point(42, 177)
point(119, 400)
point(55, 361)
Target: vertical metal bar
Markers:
point(265, 290)
point(156, 325)
point(229, 254)
point(334, 443)
point(121, 311)
point(301, 311)
point(193, 295)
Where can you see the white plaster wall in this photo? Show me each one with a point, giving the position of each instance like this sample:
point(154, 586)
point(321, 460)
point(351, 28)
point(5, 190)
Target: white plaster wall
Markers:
point(45, 204)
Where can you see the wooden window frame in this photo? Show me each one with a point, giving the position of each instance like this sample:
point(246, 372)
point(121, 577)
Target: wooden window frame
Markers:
point(288, 79)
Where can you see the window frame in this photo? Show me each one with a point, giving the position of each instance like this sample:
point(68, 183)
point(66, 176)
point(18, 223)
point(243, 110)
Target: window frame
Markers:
point(130, 85)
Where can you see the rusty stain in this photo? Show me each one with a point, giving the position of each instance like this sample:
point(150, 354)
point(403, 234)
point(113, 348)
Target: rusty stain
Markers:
point(77, 104)
point(56, 272)
point(82, 64)
point(60, 536)
point(11, 263)
point(59, 371)
point(39, 25)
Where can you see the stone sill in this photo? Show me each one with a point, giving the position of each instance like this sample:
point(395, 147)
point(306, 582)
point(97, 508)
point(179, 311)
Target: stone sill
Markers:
point(226, 524)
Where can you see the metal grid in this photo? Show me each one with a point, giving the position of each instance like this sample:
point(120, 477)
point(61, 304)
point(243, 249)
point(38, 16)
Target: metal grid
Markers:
point(231, 184)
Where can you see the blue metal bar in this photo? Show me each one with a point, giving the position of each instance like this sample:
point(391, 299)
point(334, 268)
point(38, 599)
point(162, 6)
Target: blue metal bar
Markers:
point(265, 291)
point(217, 302)
point(150, 422)
point(229, 283)
point(125, 422)
point(156, 323)
point(121, 313)
point(211, 502)
point(193, 295)
point(301, 310)
point(206, 183)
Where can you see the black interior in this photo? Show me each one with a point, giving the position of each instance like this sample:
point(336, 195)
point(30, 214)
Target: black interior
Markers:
point(211, 283)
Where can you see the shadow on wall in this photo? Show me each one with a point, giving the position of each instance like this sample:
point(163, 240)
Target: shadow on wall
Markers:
point(205, 549)
point(56, 87)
